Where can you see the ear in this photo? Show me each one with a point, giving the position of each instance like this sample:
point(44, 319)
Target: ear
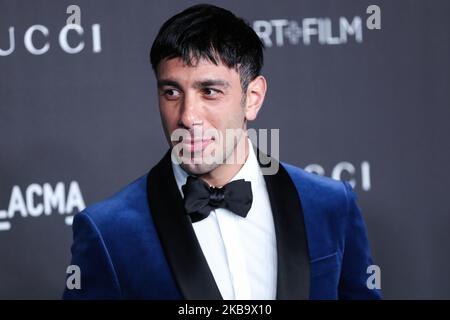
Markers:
point(256, 92)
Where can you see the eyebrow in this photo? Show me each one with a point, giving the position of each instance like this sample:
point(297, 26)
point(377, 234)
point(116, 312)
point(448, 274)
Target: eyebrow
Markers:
point(197, 85)
point(167, 82)
point(211, 83)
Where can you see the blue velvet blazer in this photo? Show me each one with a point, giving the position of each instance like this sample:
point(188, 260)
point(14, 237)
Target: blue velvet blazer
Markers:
point(140, 244)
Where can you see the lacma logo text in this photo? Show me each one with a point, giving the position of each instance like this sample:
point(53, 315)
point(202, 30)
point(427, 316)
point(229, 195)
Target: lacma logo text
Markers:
point(42, 200)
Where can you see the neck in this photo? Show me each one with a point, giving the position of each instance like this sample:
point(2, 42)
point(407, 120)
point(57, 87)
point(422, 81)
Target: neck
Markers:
point(226, 171)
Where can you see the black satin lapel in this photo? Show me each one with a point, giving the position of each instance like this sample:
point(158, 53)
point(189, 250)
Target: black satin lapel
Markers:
point(292, 247)
point(179, 242)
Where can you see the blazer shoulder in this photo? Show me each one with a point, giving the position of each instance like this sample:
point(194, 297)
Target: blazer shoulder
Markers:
point(129, 202)
point(312, 182)
point(327, 206)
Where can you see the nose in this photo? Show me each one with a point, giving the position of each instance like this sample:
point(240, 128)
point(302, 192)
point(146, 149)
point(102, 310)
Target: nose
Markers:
point(190, 113)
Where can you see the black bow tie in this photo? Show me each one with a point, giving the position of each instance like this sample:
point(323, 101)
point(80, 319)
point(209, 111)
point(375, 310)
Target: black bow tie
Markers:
point(200, 199)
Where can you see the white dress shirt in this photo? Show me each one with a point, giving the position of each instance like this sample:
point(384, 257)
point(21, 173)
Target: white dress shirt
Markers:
point(241, 252)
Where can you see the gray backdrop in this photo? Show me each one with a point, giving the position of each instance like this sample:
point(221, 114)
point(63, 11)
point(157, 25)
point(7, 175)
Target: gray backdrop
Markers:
point(76, 127)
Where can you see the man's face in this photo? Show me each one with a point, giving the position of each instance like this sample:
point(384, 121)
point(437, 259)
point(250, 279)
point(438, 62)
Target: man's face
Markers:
point(201, 99)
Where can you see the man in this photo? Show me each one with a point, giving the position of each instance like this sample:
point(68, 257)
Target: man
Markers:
point(197, 229)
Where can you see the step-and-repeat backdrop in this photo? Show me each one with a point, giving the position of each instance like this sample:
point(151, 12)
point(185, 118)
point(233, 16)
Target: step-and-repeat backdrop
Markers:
point(360, 90)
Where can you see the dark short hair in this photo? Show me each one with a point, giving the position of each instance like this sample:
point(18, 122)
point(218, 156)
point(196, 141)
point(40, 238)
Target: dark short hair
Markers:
point(208, 32)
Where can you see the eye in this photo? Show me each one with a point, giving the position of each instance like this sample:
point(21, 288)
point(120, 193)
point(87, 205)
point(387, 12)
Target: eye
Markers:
point(171, 94)
point(210, 92)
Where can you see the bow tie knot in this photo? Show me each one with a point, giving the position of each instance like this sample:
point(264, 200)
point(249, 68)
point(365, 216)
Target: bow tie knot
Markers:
point(200, 199)
point(216, 196)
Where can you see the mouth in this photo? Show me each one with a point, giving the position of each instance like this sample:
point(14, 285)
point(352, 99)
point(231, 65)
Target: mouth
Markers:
point(195, 145)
